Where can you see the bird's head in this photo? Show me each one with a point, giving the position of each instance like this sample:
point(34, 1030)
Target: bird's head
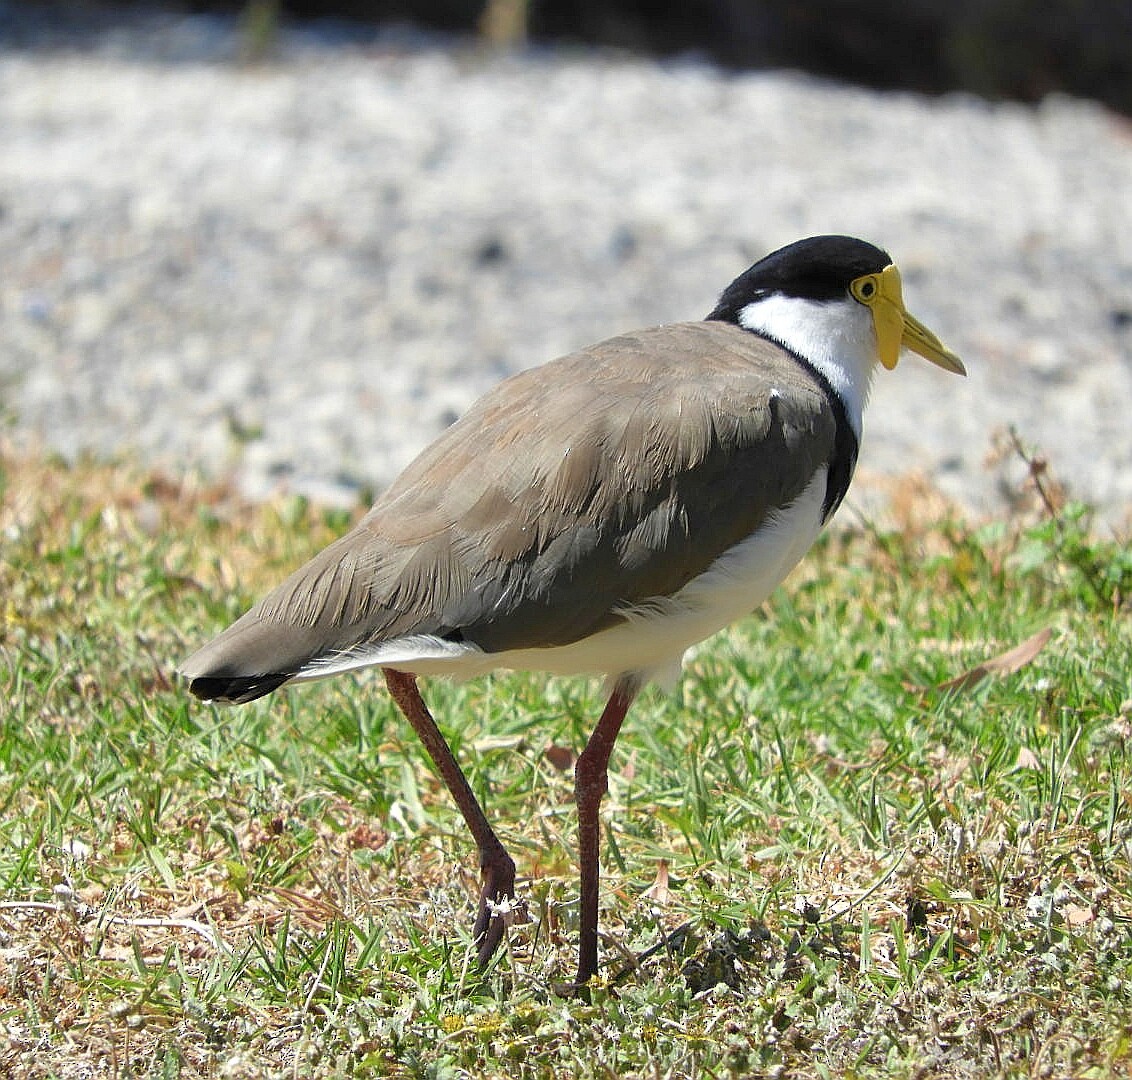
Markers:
point(821, 293)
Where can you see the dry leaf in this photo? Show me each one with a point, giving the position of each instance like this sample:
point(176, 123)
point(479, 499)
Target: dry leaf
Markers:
point(659, 892)
point(561, 757)
point(1004, 664)
point(1075, 915)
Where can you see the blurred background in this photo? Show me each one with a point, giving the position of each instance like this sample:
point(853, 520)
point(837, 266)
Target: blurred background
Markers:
point(1022, 49)
point(287, 241)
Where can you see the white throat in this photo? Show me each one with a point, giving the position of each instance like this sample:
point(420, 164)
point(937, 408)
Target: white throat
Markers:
point(837, 337)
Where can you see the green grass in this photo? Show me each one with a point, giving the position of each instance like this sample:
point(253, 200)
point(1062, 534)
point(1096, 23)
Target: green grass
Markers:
point(871, 876)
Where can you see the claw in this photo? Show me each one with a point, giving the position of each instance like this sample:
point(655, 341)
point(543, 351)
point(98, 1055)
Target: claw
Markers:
point(497, 901)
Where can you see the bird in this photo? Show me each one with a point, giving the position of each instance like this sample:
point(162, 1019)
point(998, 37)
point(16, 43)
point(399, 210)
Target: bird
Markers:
point(597, 515)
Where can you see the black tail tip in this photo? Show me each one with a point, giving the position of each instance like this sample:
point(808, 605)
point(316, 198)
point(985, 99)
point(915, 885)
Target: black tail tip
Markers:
point(236, 689)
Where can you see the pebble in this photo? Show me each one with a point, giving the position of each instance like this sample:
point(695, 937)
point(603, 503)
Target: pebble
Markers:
point(297, 272)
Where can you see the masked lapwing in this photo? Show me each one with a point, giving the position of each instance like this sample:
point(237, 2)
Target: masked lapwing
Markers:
point(597, 515)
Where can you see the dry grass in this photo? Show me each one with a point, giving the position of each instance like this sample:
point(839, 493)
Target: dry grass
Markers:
point(869, 876)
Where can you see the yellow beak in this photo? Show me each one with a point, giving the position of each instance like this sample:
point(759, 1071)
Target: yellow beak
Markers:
point(895, 327)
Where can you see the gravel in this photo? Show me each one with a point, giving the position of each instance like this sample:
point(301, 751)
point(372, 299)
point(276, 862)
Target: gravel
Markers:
point(297, 272)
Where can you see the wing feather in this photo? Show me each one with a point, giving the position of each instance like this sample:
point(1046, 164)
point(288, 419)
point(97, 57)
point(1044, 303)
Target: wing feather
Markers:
point(567, 495)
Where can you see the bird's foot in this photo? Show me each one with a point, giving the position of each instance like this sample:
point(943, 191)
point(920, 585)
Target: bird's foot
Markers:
point(498, 906)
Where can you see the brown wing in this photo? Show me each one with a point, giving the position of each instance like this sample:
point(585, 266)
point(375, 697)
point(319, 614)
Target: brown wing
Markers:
point(600, 480)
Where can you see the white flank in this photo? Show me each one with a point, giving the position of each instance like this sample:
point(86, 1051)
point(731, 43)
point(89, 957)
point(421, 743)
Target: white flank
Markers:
point(405, 654)
point(654, 636)
point(837, 337)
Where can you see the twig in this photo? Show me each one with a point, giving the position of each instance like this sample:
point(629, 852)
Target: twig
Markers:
point(193, 925)
point(200, 928)
point(33, 905)
point(316, 982)
point(1037, 468)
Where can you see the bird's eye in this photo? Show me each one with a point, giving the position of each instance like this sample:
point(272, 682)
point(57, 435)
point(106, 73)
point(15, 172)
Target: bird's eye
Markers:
point(864, 289)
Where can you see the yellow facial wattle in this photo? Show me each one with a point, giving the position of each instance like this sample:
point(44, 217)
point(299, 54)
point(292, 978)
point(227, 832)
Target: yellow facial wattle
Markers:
point(895, 327)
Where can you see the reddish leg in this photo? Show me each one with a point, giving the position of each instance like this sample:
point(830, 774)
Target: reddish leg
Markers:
point(497, 868)
point(590, 785)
